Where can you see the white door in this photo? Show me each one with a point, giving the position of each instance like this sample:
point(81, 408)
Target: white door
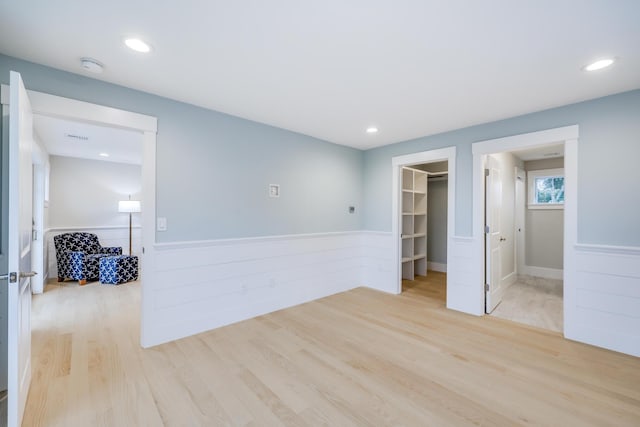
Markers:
point(19, 250)
point(493, 236)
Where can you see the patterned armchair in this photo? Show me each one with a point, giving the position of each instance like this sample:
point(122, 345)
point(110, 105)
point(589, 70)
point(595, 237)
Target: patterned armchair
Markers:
point(78, 256)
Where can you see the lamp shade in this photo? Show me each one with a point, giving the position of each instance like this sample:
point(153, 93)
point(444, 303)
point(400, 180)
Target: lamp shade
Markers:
point(129, 206)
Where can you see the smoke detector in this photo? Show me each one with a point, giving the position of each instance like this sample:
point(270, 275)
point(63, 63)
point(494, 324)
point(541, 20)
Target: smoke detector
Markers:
point(91, 65)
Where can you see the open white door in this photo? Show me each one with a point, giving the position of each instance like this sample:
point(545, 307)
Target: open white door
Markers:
point(19, 250)
point(493, 236)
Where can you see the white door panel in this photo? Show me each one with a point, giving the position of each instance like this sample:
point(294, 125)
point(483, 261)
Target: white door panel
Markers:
point(19, 250)
point(494, 238)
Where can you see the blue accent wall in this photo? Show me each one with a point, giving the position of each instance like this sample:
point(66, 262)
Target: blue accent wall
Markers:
point(213, 169)
point(608, 167)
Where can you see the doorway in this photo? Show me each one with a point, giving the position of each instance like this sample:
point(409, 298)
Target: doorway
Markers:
point(567, 137)
point(55, 106)
point(409, 212)
point(524, 199)
point(91, 168)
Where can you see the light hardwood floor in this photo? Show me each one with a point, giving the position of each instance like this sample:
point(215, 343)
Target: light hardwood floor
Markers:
point(356, 358)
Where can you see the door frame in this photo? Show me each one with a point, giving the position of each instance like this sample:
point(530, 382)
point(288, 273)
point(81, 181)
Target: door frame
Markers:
point(71, 109)
point(442, 154)
point(520, 213)
point(567, 135)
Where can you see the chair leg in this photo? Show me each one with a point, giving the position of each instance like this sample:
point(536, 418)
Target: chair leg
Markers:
point(60, 279)
point(82, 282)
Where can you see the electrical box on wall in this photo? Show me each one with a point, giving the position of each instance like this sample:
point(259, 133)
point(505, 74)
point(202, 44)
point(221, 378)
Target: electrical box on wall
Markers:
point(274, 190)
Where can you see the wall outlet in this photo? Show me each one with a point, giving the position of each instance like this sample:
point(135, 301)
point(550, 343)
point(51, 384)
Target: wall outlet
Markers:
point(161, 224)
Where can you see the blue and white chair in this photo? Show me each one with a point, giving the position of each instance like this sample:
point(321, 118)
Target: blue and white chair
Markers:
point(78, 256)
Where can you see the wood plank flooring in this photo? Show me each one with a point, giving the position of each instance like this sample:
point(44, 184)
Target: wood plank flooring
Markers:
point(360, 358)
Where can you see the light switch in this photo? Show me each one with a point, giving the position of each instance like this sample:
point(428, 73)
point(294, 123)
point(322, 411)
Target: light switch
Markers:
point(161, 224)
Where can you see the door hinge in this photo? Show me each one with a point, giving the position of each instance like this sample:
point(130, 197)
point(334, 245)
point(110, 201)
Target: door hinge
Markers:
point(486, 172)
point(486, 229)
point(486, 287)
point(143, 250)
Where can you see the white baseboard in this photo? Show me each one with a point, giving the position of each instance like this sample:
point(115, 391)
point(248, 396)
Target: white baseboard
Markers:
point(546, 273)
point(437, 266)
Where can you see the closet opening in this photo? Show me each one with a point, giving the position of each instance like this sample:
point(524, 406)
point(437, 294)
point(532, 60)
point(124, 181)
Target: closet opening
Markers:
point(423, 236)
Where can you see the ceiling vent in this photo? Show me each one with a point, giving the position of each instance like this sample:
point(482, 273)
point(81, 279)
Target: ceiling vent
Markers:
point(78, 137)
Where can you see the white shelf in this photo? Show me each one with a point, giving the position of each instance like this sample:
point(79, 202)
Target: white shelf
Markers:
point(414, 222)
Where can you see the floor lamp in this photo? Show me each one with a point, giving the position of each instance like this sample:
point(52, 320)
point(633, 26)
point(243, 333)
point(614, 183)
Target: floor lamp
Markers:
point(130, 207)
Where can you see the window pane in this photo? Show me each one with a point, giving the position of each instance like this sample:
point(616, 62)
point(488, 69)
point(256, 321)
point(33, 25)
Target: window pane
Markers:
point(549, 189)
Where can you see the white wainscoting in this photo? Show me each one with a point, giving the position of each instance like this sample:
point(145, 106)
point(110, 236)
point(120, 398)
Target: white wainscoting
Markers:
point(108, 236)
point(198, 286)
point(378, 261)
point(464, 276)
point(605, 301)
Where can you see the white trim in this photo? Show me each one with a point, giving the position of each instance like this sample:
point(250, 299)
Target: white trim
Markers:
point(544, 272)
point(252, 240)
point(520, 217)
point(89, 227)
point(541, 206)
point(534, 139)
point(568, 135)
point(436, 266)
point(441, 154)
point(608, 249)
point(71, 109)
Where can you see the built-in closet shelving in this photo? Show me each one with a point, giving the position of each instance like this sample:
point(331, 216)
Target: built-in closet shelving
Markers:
point(414, 222)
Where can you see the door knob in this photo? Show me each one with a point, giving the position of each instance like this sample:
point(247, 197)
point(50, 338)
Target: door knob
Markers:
point(27, 274)
point(502, 239)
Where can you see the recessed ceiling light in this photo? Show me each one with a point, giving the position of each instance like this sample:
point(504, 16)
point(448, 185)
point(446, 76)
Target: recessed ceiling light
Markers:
point(104, 154)
point(600, 64)
point(372, 129)
point(137, 45)
point(91, 65)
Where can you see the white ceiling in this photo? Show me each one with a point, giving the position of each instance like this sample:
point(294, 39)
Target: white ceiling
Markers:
point(544, 152)
point(74, 139)
point(332, 68)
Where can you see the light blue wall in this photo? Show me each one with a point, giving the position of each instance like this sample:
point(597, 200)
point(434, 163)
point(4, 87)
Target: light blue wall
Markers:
point(213, 169)
point(608, 171)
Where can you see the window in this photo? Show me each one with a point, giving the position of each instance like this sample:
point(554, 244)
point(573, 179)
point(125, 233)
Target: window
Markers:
point(546, 189)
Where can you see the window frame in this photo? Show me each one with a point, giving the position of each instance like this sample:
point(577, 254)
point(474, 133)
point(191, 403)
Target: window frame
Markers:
point(531, 179)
